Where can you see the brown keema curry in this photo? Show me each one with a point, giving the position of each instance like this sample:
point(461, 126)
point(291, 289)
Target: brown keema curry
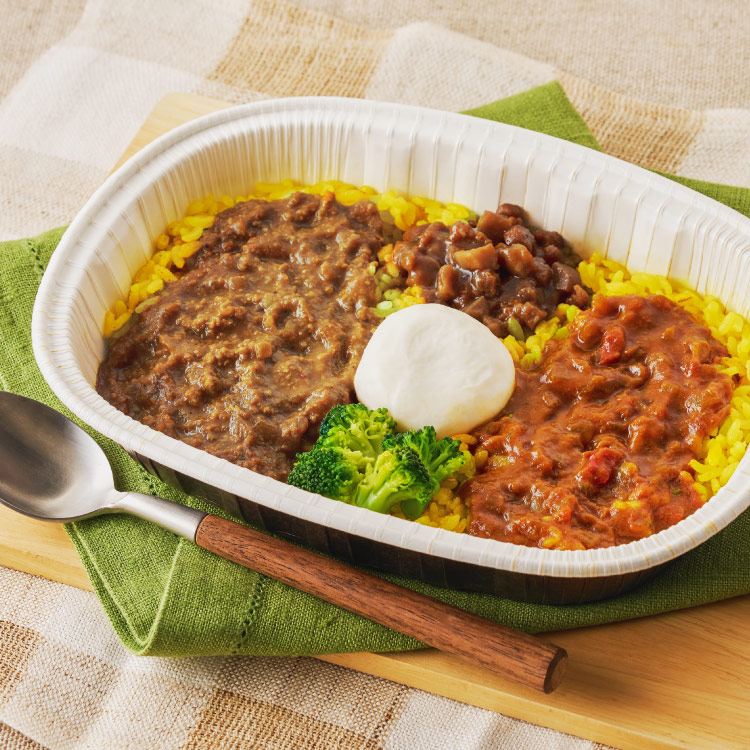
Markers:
point(260, 335)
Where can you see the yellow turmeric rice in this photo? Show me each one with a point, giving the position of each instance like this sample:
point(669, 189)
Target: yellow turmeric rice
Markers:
point(721, 453)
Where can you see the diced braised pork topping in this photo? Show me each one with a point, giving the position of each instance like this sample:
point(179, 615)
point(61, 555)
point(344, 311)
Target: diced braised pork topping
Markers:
point(494, 271)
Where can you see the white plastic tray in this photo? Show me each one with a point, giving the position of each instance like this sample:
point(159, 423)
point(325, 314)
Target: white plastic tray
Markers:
point(597, 202)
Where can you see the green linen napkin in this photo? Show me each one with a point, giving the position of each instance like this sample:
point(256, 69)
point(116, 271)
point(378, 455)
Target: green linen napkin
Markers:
point(165, 596)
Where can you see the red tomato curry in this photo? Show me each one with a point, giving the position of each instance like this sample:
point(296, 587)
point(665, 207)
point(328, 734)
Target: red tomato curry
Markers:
point(593, 448)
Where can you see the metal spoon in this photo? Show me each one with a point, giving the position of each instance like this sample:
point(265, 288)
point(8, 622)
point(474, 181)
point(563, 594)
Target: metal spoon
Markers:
point(52, 470)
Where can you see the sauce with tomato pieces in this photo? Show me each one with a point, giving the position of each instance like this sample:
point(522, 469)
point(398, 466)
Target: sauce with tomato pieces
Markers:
point(593, 448)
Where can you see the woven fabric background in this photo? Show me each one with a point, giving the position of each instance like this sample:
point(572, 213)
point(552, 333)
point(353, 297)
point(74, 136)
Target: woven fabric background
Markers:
point(663, 86)
point(78, 78)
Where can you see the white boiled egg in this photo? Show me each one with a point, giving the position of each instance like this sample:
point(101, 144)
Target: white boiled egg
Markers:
point(433, 365)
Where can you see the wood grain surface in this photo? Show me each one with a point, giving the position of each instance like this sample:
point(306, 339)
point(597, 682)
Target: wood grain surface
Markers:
point(677, 680)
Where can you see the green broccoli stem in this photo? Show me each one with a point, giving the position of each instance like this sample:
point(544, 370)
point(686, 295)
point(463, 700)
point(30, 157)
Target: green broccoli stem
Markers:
point(377, 492)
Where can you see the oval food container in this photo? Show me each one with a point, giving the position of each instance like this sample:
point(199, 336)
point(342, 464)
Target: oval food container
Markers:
point(595, 201)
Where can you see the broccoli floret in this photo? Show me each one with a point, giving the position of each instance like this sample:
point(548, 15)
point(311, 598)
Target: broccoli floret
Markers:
point(398, 476)
point(442, 458)
point(328, 472)
point(355, 428)
point(350, 440)
point(361, 459)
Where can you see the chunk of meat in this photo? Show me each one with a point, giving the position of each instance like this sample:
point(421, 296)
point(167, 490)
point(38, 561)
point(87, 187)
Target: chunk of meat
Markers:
point(565, 278)
point(517, 260)
point(510, 209)
point(494, 225)
point(518, 234)
point(447, 283)
point(477, 259)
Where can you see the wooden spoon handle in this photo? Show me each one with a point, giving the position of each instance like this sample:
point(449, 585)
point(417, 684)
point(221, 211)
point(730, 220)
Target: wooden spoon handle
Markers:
point(517, 656)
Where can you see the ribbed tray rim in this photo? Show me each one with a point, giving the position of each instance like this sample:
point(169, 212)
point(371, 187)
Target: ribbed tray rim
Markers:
point(60, 369)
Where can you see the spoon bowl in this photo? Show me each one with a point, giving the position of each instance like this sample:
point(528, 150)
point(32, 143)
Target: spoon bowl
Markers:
point(50, 468)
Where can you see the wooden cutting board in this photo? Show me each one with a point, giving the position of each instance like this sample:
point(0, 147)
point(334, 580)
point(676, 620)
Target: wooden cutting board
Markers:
point(678, 680)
